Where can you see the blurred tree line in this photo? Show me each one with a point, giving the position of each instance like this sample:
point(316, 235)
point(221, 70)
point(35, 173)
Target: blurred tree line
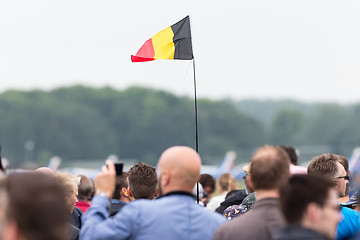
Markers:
point(139, 123)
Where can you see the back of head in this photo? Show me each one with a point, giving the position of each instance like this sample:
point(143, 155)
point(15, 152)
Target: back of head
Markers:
point(37, 206)
point(143, 181)
point(68, 181)
point(120, 183)
point(299, 192)
point(324, 165)
point(179, 169)
point(291, 153)
point(269, 168)
point(86, 188)
point(227, 182)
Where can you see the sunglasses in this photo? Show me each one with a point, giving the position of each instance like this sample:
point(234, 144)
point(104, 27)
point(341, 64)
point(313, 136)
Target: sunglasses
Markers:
point(347, 177)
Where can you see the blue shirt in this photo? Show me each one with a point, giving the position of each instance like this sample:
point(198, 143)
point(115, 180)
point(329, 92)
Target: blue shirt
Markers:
point(175, 216)
point(349, 225)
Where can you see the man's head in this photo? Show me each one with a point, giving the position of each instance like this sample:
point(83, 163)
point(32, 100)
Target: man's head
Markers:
point(36, 208)
point(208, 183)
point(70, 184)
point(143, 181)
point(310, 201)
point(86, 188)
point(269, 168)
point(121, 188)
point(179, 169)
point(327, 165)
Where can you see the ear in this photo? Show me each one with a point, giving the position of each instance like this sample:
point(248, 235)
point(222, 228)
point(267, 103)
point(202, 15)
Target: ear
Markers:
point(250, 184)
point(125, 192)
point(165, 178)
point(312, 212)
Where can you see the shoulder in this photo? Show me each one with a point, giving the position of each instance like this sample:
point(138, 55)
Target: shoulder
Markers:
point(350, 213)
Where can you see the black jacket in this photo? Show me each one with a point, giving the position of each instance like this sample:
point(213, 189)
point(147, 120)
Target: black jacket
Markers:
point(235, 199)
point(296, 232)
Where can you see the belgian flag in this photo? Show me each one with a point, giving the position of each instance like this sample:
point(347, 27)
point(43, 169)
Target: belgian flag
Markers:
point(173, 42)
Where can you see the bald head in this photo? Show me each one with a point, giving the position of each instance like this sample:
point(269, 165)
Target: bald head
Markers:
point(44, 170)
point(179, 169)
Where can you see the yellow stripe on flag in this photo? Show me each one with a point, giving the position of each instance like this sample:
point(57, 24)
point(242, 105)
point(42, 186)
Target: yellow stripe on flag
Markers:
point(163, 44)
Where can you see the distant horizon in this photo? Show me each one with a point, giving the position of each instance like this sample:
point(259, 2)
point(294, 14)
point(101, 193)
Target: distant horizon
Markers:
point(183, 94)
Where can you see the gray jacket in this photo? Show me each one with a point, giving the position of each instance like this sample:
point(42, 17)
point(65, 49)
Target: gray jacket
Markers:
point(261, 223)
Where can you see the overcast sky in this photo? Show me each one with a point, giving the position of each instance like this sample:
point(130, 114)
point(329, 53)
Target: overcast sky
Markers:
point(305, 50)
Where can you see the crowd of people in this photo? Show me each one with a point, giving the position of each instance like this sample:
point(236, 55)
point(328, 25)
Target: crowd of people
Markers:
point(280, 201)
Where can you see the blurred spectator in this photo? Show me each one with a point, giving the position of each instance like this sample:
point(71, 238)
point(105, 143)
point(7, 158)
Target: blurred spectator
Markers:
point(248, 185)
point(208, 184)
point(309, 205)
point(86, 192)
point(294, 169)
point(344, 162)
point(143, 183)
point(354, 202)
point(173, 216)
point(70, 184)
point(36, 209)
point(121, 195)
point(226, 183)
point(268, 171)
point(327, 165)
point(234, 197)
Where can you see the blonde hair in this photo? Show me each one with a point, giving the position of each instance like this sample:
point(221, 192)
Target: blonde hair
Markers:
point(227, 182)
point(69, 182)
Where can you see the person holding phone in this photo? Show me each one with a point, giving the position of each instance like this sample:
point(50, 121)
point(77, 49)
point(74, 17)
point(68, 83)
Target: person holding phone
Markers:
point(175, 215)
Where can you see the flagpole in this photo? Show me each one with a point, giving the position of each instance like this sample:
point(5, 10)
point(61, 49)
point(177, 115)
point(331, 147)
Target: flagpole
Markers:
point(196, 129)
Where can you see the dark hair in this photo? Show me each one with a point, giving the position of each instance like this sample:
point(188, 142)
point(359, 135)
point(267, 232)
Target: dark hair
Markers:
point(343, 161)
point(291, 153)
point(299, 192)
point(86, 189)
point(324, 165)
point(206, 180)
point(143, 181)
point(269, 168)
point(37, 205)
point(120, 183)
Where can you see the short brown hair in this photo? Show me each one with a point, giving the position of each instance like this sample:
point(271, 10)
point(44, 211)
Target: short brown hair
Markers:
point(299, 192)
point(37, 205)
point(86, 188)
point(143, 181)
point(324, 165)
point(269, 168)
point(120, 183)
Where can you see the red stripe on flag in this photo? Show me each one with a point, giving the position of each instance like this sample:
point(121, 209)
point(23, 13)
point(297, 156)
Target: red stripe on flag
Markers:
point(140, 59)
point(146, 52)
